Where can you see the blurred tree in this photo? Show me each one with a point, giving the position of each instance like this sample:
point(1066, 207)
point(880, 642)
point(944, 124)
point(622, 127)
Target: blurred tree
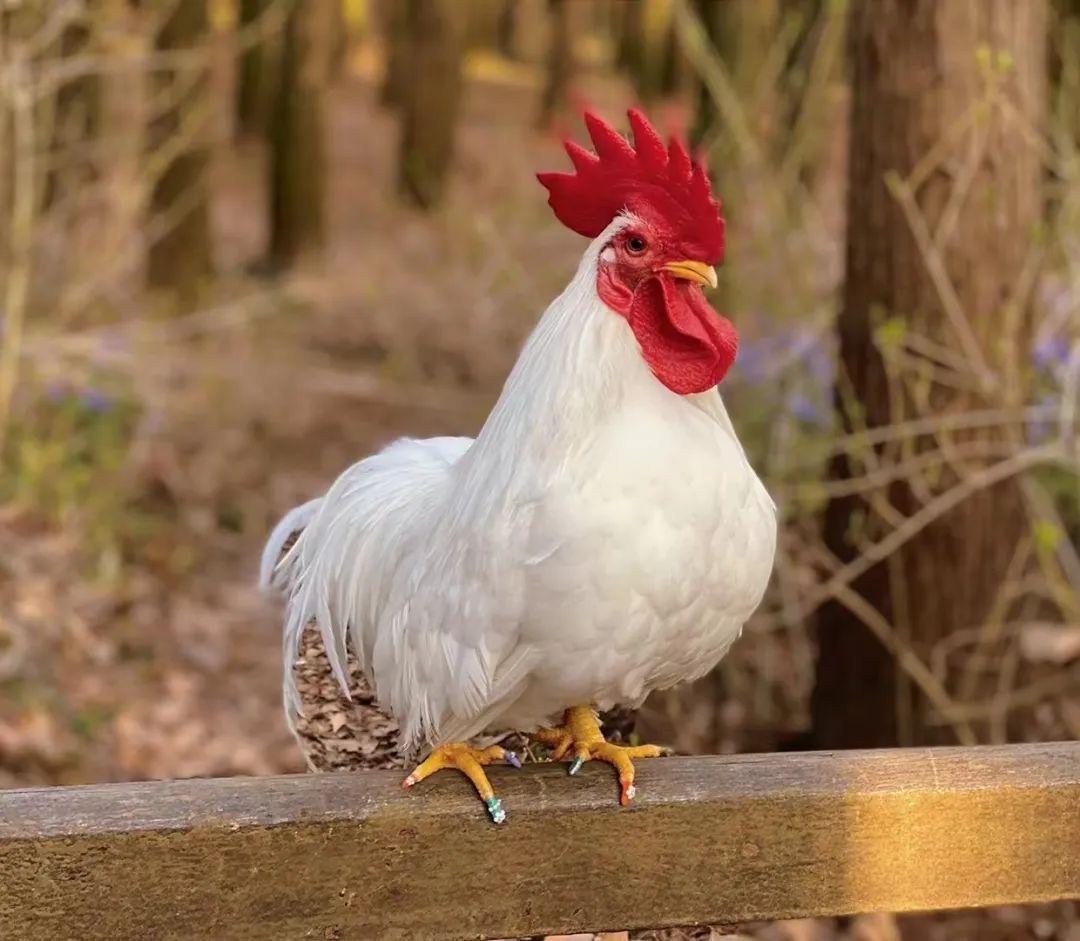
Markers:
point(645, 47)
point(254, 80)
point(432, 95)
point(297, 134)
point(560, 66)
point(627, 26)
point(1066, 73)
point(506, 29)
point(481, 26)
point(341, 39)
point(66, 120)
point(18, 26)
point(747, 34)
point(920, 70)
point(674, 75)
point(180, 257)
point(76, 114)
point(20, 176)
point(395, 23)
point(705, 117)
point(743, 36)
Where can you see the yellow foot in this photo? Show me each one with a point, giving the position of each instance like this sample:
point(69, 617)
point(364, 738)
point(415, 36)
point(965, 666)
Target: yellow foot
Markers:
point(470, 762)
point(580, 733)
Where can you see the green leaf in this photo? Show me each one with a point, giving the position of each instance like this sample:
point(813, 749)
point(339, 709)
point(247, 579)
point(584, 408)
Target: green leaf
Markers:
point(1047, 535)
point(891, 333)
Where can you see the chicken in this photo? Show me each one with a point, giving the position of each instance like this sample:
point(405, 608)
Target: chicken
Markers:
point(602, 537)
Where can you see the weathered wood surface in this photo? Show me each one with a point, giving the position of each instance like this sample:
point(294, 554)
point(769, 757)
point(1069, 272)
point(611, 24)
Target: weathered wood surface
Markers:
point(717, 840)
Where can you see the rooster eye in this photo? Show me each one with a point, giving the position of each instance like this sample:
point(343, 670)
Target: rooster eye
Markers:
point(635, 245)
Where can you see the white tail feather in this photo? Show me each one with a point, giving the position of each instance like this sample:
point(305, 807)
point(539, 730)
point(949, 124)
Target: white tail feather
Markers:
point(293, 521)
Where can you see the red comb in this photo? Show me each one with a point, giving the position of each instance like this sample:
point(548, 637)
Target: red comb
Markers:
point(645, 176)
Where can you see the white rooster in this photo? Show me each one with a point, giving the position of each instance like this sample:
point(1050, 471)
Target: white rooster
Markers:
point(603, 536)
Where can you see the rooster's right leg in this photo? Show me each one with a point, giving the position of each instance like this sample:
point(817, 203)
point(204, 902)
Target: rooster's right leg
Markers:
point(470, 762)
point(580, 732)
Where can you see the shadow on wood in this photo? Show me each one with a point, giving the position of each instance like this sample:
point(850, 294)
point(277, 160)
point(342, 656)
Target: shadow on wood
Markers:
point(709, 840)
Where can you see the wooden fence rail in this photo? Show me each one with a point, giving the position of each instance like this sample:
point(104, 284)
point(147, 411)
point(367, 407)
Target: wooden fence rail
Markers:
point(709, 840)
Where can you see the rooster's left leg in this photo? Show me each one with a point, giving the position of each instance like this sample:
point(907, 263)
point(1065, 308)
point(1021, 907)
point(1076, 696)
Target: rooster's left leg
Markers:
point(580, 732)
point(470, 762)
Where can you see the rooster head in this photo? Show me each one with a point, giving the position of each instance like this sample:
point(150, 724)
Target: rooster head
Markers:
point(653, 267)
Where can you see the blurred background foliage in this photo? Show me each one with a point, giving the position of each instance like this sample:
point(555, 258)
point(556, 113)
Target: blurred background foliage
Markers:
point(244, 242)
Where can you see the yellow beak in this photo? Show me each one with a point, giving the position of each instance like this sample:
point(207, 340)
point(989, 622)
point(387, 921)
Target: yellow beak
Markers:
point(692, 271)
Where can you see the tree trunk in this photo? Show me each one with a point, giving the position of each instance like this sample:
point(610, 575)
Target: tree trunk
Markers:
point(705, 114)
point(920, 68)
point(646, 47)
point(296, 132)
point(560, 69)
point(75, 119)
point(627, 22)
point(341, 41)
point(395, 18)
point(1066, 74)
point(432, 96)
point(18, 27)
point(254, 79)
point(179, 257)
point(506, 29)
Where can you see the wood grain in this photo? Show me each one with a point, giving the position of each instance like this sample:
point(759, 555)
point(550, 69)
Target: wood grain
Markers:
point(709, 840)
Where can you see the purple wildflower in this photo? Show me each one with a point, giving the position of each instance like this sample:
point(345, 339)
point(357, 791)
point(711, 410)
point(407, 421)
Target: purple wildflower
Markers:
point(761, 360)
point(805, 409)
point(822, 365)
point(753, 361)
point(1050, 350)
point(94, 400)
point(1041, 426)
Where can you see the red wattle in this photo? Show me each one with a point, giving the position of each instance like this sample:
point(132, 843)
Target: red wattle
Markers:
point(688, 346)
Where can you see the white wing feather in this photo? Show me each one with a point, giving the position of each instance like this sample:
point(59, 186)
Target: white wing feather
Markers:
point(381, 566)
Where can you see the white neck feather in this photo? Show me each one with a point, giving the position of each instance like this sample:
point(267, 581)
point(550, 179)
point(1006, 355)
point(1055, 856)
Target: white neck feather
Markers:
point(573, 367)
point(576, 367)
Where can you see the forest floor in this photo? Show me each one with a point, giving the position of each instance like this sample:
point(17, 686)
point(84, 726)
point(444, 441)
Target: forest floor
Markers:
point(146, 651)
